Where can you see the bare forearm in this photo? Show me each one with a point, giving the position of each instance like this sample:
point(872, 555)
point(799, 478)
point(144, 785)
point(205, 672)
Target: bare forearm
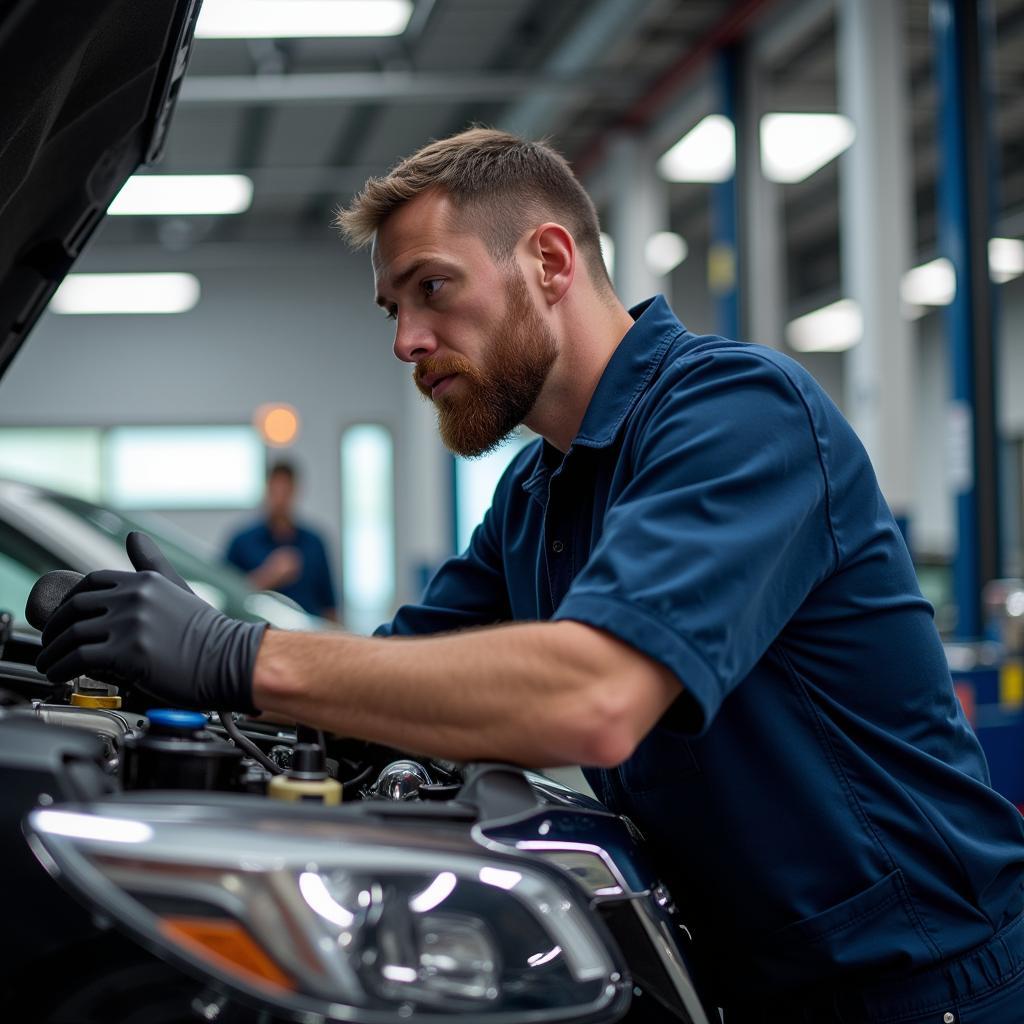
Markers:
point(535, 694)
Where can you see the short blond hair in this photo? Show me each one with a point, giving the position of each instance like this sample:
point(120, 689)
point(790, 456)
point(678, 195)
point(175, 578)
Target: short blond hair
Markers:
point(501, 183)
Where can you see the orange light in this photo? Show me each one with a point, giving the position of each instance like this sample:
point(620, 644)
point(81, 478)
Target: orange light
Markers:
point(227, 945)
point(279, 424)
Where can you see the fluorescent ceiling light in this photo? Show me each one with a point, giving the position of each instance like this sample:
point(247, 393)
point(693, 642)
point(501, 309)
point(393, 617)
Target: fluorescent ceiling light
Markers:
point(934, 283)
point(290, 19)
point(664, 251)
point(705, 153)
point(1005, 259)
point(830, 329)
point(126, 293)
point(931, 284)
point(794, 146)
point(182, 195)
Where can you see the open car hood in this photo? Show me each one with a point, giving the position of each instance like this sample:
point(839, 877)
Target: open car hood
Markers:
point(86, 92)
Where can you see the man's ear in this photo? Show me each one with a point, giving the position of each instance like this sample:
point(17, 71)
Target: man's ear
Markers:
point(554, 249)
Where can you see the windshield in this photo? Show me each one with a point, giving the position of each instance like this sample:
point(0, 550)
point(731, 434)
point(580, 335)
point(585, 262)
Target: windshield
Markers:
point(231, 589)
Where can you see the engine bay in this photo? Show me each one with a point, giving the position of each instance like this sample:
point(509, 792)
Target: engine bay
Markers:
point(143, 746)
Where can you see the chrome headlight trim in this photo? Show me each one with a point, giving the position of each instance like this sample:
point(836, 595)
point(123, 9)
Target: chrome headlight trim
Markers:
point(318, 906)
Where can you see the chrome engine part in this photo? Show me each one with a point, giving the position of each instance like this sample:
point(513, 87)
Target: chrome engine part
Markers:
point(400, 780)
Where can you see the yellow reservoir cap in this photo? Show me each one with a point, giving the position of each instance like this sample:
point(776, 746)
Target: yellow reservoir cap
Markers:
point(83, 700)
point(323, 791)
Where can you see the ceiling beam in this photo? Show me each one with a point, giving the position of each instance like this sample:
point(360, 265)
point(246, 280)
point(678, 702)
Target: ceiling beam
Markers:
point(606, 22)
point(786, 30)
point(732, 26)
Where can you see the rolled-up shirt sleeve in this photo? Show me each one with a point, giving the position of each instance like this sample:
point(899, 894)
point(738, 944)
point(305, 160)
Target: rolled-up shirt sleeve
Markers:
point(721, 532)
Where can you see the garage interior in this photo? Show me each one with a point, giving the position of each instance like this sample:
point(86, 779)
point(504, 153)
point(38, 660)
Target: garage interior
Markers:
point(284, 313)
point(838, 180)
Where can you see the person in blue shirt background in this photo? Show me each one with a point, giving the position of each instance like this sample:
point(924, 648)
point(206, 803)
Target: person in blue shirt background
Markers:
point(690, 584)
point(278, 553)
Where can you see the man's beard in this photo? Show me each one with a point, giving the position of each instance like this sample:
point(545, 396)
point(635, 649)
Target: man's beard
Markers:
point(497, 396)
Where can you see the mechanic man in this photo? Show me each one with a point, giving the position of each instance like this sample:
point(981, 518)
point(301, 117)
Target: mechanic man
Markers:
point(277, 553)
point(715, 612)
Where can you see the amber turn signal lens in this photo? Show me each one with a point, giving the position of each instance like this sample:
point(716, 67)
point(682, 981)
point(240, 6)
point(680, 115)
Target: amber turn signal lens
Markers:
point(228, 945)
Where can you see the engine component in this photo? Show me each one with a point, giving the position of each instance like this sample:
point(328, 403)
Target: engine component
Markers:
point(179, 753)
point(91, 693)
point(108, 723)
point(281, 755)
point(401, 780)
point(307, 778)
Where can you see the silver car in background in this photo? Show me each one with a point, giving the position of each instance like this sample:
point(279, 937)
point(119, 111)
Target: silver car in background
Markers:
point(42, 530)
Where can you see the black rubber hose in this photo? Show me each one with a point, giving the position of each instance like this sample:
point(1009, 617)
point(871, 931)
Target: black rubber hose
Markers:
point(247, 744)
point(356, 779)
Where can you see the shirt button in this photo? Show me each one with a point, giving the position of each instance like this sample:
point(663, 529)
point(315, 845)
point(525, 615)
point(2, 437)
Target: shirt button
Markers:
point(557, 546)
point(948, 1018)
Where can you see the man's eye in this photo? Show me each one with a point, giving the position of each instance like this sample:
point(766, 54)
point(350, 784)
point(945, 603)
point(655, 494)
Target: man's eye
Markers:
point(432, 286)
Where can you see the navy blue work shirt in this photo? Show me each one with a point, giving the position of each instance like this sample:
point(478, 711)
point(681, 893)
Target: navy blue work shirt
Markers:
point(313, 591)
point(815, 796)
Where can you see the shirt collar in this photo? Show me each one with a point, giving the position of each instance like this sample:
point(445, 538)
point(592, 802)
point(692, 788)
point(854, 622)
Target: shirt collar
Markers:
point(629, 371)
point(625, 378)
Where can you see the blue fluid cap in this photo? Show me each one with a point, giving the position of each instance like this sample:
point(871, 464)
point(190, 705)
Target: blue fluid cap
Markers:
point(175, 720)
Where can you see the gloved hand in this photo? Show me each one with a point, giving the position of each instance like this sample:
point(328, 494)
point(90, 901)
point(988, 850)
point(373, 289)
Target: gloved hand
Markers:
point(148, 628)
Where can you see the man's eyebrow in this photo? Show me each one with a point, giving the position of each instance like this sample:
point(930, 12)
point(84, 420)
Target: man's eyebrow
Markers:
point(403, 277)
point(409, 271)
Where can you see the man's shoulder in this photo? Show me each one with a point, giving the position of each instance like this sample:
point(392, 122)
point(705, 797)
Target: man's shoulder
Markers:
point(734, 373)
point(692, 352)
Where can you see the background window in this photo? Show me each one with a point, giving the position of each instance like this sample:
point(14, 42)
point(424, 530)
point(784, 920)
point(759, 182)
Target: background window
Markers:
point(66, 459)
point(367, 532)
point(183, 467)
point(475, 480)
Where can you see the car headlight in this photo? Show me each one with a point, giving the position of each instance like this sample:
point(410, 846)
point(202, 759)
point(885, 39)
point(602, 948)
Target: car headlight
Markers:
point(344, 916)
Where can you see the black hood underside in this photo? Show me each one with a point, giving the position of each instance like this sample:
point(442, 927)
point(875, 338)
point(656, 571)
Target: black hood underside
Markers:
point(86, 91)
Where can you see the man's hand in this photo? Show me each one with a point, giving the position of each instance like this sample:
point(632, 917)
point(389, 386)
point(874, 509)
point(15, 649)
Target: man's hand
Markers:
point(281, 567)
point(148, 628)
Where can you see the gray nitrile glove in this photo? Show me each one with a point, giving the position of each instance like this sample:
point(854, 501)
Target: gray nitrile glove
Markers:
point(148, 628)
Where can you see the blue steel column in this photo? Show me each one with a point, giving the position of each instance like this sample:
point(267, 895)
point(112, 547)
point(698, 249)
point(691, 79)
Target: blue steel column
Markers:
point(966, 200)
point(724, 253)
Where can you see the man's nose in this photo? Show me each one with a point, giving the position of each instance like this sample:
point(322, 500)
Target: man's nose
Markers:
point(413, 340)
